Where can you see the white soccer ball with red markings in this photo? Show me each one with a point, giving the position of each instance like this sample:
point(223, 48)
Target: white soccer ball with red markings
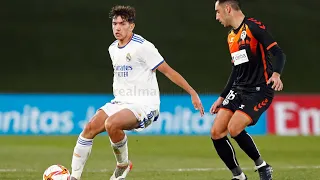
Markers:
point(56, 172)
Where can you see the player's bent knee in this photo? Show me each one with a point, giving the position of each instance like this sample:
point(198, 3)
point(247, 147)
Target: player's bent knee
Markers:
point(89, 132)
point(217, 134)
point(111, 124)
point(234, 130)
point(95, 125)
point(108, 124)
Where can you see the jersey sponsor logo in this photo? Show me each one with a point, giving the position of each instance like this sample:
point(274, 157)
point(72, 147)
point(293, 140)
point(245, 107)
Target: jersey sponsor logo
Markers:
point(122, 70)
point(239, 57)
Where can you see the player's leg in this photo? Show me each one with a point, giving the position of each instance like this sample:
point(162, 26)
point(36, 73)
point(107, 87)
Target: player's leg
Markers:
point(219, 133)
point(222, 144)
point(237, 124)
point(246, 116)
point(125, 119)
point(84, 143)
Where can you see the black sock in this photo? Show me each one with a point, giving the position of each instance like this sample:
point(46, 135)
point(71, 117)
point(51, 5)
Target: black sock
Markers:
point(226, 152)
point(247, 144)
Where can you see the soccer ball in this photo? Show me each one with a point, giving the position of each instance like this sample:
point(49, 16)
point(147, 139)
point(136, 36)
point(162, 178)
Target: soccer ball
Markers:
point(56, 172)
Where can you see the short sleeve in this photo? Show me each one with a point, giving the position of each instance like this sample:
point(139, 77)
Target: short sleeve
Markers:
point(151, 55)
point(111, 49)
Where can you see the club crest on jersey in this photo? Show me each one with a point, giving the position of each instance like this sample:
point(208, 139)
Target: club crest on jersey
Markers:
point(128, 57)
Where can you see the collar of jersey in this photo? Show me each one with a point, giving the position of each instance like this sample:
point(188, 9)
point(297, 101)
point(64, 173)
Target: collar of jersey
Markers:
point(238, 28)
point(127, 43)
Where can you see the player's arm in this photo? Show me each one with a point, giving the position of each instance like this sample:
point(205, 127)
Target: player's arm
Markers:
point(176, 78)
point(155, 61)
point(260, 32)
point(215, 106)
point(228, 86)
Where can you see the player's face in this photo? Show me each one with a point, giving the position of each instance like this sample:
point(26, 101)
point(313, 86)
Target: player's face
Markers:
point(222, 13)
point(121, 28)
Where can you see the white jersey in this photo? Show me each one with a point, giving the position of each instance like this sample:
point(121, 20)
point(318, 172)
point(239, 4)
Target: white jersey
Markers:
point(134, 80)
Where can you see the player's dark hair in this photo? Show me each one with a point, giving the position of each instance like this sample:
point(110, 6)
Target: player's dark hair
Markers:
point(127, 13)
point(235, 4)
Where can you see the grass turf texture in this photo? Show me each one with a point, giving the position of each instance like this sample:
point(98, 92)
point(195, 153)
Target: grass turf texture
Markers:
point(158, 157)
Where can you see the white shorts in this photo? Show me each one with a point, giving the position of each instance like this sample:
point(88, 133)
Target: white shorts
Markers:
point(144, 114)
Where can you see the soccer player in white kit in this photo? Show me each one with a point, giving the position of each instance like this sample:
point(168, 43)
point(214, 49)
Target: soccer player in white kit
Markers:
point(135, 88)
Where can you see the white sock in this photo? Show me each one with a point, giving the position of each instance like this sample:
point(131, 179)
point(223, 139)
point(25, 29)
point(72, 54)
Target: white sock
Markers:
point(120, 151)
point(261, 165)
point(240, 177)
point(81, 153)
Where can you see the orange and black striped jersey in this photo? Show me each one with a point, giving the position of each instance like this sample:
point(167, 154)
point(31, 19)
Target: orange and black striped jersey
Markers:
point(249, 45)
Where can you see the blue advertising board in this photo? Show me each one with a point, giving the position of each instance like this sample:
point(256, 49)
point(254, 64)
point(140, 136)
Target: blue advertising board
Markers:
point(66, 114)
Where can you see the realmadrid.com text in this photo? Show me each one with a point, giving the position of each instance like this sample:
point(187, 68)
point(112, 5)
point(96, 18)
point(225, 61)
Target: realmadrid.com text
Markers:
point(135, 91)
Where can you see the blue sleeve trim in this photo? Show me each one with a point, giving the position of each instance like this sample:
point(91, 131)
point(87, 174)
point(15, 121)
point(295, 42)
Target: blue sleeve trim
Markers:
point(157, 65)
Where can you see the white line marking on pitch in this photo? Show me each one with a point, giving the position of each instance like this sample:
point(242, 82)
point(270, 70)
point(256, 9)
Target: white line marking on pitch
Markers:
point(169, 170)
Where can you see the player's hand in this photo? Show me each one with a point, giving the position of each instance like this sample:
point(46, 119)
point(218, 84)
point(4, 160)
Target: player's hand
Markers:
point(277, 83)
point(216, 105)
point(197, 103)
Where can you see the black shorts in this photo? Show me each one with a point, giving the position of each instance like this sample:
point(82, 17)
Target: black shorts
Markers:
point(250, 101)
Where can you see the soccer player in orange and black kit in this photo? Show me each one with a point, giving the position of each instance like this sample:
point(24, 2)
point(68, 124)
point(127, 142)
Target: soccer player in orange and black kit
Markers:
point(250, 88)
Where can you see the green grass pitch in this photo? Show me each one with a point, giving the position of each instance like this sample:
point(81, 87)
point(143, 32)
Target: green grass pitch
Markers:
point(159, 157)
